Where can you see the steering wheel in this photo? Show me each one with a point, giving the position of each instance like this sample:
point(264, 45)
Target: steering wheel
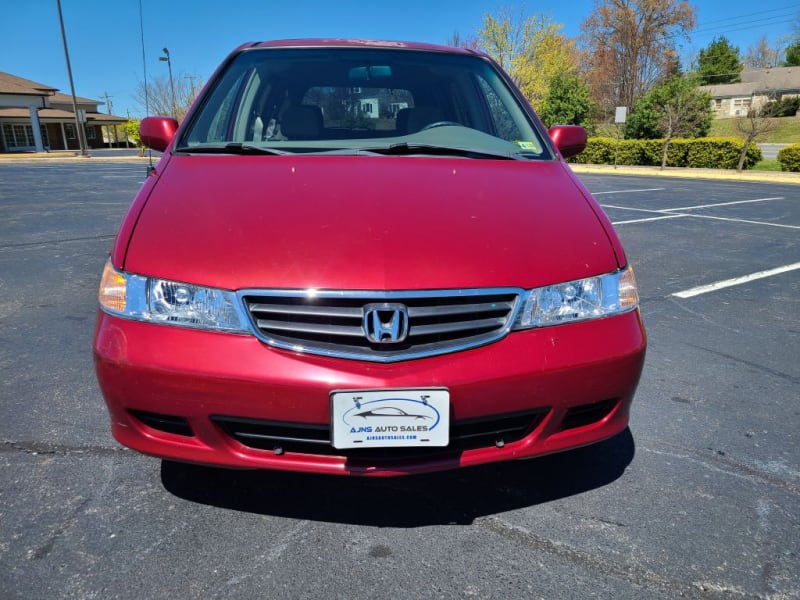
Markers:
point(440, 124)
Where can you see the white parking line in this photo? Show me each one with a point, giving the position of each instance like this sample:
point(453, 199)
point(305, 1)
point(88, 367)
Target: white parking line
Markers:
point(726, 203)
point(628, 191)
point(649, 219)
point(749, 222)
point(673, 212)
point(703, 289)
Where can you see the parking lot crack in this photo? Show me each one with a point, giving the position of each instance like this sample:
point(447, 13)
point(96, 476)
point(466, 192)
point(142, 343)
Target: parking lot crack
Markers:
point(763, 368)
point(719, 461)
point(44, 448)
point(90, 238)
point(636, 574)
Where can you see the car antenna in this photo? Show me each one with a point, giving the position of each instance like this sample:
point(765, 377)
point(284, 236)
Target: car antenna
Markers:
point(150, 167)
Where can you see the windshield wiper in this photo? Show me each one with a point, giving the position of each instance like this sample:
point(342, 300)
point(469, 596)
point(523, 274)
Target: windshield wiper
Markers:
point(405, 149)
point(231, 148)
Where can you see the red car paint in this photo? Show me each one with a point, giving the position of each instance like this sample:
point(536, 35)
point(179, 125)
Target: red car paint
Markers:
point(363, 222)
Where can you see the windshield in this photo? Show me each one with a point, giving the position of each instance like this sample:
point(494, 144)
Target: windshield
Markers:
point(361, 99)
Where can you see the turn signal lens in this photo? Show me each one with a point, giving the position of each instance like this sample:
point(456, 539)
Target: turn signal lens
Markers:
point(113, 289)
point(628, 290)
point(169, 302)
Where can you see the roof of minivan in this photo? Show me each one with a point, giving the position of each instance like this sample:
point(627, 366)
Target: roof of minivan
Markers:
point(355, 43)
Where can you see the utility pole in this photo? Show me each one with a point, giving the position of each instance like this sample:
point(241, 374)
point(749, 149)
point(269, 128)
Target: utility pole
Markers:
point(80, 132)
point(108, 127)
point(108, 102)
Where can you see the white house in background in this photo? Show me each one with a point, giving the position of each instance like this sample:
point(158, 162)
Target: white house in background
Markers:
point(756, 89)
point(369, 107)
point(35, 117)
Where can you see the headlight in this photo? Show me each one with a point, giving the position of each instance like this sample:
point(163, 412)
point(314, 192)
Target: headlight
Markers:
point(580, 300)
point(170, 302)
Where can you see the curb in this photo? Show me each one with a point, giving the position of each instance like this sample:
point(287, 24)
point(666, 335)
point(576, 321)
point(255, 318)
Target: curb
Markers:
point(69, 156)
point(781, 177)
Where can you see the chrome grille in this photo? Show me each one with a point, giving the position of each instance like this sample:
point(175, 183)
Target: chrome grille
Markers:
point(336, 323)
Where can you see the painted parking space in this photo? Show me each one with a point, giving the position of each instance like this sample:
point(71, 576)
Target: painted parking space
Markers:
point(739, 218)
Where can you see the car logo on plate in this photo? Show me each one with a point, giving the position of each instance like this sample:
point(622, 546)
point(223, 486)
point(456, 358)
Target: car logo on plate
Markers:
point(386, 323)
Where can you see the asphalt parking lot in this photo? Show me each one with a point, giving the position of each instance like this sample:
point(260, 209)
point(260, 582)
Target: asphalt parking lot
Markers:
point(699, 499)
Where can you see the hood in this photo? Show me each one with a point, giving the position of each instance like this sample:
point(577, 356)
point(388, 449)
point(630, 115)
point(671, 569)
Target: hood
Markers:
point(366, 222)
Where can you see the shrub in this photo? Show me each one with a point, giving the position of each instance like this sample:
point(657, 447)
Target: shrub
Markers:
point(714, 153)
point(787, 107)
point(629, 152)
point(599, 151)
point(698, 153)
point(789, 158)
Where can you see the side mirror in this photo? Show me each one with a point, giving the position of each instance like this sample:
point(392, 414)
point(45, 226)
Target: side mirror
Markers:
point(569, 139)
point(157, 132)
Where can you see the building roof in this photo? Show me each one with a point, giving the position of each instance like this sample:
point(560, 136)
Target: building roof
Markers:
point(11, 84)
point(760, 82)
point(50, 114)
point(61, 103)
point(67, 99)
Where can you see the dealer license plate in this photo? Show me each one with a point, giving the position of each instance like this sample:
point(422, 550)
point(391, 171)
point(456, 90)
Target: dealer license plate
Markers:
point(390, 418)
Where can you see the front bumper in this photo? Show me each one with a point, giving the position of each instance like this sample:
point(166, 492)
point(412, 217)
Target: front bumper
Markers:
point(175, 393)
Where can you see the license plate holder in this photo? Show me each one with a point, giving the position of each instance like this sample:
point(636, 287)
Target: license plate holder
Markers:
point(390, 418)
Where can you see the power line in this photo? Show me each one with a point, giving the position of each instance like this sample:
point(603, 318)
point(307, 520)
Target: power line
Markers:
point(751, 24)
point(790, 8)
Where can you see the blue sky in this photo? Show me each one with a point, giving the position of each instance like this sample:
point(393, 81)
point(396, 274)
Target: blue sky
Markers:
point(105, 46)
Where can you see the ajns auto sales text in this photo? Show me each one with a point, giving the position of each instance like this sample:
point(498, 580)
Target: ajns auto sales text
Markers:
point(390, 429)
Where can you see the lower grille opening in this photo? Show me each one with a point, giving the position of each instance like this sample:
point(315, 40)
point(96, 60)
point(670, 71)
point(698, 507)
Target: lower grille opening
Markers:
point(311, 438)
point(586, 414)
point(308, 438)
point(166, 423)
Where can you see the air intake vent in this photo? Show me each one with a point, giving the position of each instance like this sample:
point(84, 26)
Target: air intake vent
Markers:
point(586, 414)
point(167, 423)
point(310, 438)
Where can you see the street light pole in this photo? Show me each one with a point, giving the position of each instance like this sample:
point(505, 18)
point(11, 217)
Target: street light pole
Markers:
point(78, 125)
point(167, 60)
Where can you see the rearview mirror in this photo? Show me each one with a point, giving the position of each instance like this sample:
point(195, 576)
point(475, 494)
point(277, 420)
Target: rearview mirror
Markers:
point(369, 72)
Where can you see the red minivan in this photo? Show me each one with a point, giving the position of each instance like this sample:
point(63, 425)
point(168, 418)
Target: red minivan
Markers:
point(364, 258)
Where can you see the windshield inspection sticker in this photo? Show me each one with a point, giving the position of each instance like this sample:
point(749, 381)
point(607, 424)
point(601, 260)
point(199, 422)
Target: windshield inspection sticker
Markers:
point(528, 146)
point(389, 418)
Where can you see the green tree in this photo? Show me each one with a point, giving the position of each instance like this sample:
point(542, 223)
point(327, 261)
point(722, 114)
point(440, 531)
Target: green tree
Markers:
point(684, 110)
point(531, 50)
point(567, 102)
point(792, 55)
point(674, 108)
point(132, 131)
point(643, 120)
point(719, 63)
